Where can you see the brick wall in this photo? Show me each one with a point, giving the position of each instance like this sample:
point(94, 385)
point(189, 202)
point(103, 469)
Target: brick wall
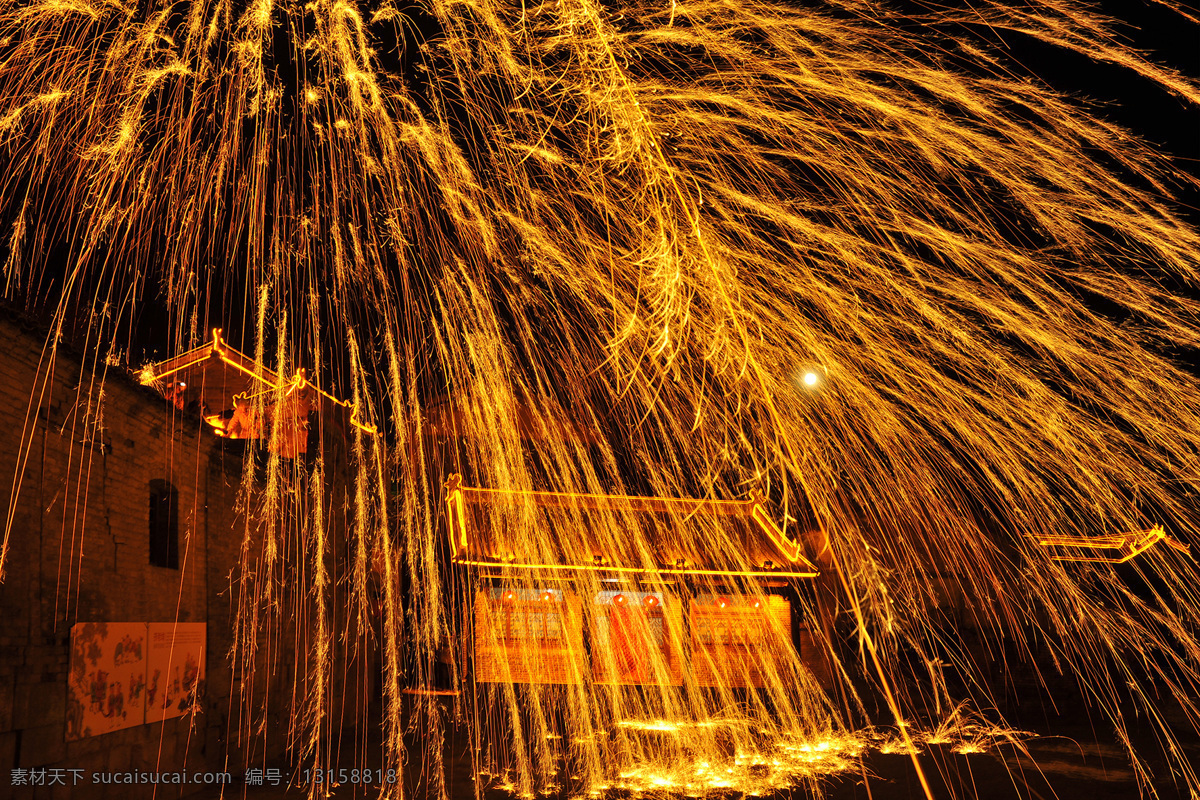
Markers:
point(79, 552)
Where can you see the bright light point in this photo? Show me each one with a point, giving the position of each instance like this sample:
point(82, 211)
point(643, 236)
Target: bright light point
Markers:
point(810, 379)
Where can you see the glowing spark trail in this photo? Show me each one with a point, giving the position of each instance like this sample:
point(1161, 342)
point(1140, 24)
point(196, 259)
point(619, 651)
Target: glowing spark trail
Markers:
point(694, 248)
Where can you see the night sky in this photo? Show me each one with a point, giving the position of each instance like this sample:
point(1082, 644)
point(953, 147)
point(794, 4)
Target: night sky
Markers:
point(1165, 122)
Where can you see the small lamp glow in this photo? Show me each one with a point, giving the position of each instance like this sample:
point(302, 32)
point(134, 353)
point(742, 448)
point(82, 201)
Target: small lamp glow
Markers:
point(811, 379)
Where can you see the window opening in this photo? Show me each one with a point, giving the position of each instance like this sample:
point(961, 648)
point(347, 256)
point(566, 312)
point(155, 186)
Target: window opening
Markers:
point(164, 525)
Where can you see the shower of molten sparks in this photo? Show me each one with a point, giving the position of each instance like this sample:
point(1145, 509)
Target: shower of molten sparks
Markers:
point(846, 257)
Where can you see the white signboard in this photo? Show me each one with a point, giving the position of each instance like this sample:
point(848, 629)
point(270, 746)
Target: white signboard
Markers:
point(174, 669)
point(107, 679)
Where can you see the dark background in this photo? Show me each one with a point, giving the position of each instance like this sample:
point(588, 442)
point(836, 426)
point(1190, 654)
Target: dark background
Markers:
point(1166, 123)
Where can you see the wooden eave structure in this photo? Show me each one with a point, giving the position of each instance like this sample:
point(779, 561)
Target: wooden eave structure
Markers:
point(768, 553)
point(238, 397)
point(1108, 549)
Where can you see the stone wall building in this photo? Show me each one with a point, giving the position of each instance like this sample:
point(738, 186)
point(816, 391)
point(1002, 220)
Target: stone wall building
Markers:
point(126, 510)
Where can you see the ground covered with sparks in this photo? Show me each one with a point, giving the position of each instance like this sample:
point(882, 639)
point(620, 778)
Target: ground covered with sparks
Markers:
point(779, 763)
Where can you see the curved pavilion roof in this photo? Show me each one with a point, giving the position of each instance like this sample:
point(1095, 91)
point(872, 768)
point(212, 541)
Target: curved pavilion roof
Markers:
point(555, 531)
point(241, 398)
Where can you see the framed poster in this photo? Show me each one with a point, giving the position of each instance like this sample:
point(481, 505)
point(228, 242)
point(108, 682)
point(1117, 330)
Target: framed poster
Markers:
point(107, 678)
